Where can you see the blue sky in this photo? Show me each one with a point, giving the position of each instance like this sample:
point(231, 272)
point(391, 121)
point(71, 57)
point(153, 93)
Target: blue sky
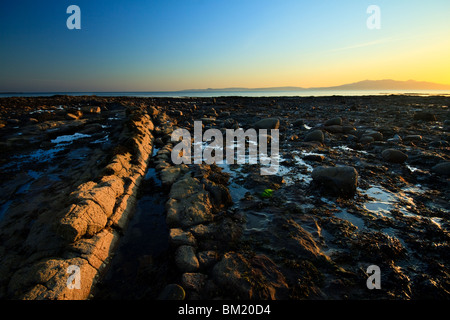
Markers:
point(173, 45)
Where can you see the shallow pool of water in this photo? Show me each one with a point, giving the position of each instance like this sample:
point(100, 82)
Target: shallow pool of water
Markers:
point(70, 138)
point(143, 248)
point(383, 201)
point(356, 221)
point(257, 221)
point(237, 192)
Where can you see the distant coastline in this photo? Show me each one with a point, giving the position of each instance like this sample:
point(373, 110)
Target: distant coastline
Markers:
point(386, 84)
point(361, 88)
point(216, 94)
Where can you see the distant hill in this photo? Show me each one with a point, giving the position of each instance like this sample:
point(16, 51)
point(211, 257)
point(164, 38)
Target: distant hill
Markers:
point(390, 85)
point(386, 84)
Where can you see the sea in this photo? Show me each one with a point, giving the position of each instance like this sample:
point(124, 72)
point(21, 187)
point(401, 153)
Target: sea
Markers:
point(237, 93)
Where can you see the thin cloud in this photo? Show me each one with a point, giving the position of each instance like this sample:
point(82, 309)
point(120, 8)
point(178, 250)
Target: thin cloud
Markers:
point(362, 45)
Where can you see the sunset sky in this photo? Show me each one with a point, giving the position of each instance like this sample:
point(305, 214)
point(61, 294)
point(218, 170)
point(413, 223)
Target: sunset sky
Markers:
point(174, 45)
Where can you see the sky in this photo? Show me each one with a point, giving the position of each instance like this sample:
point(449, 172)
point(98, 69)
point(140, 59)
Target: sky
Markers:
point(196, 44)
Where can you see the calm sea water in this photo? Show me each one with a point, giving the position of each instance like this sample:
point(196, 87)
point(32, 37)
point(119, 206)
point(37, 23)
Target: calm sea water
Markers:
point(212, 93)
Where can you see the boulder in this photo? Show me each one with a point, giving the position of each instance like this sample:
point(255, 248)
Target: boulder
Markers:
point(442, 168)
point(204, 231)
point(192, 210)
point(349, 129)
point(424, 116)
point(185, 187)
point(207, 258)
point(193, 281)
point(334, 128)
point(185, 259)
point(340, 181)
point(316, 135)
point(250, 277)
point(376, 135)
point(394, 156)
point(297, 240)
point(179, 237)
point(334, 121)
point(270, 123)
point(220, 195)
point(169, 175)
point(172, 292)
point(366, 140)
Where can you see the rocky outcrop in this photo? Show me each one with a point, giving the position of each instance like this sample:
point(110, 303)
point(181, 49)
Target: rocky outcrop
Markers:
point(93, 204)
point(293, 242)
point(90, 225)
point(254, 277)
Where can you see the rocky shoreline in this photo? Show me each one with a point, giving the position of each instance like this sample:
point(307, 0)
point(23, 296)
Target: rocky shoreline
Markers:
point(86, 231)
point(363, 181)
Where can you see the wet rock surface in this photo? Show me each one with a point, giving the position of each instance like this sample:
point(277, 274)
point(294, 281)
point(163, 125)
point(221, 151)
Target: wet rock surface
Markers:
point(367, 187)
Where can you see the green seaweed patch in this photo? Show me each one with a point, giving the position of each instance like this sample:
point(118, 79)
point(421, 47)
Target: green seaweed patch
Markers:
point(267, 193)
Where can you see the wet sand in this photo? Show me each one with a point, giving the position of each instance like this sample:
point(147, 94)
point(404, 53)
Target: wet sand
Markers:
point(312, 237)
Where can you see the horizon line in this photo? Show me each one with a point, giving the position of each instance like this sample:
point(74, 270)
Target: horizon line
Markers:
point(281, 88)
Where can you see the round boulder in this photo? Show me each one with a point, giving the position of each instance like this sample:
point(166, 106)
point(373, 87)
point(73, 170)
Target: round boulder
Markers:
point(424, 116)
point(442, 168)
point(316, 135)
point(394, 156)
point(270, 123)
point(340, 181)
point(334, 122)
point(366, 140)
point(376, 135)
